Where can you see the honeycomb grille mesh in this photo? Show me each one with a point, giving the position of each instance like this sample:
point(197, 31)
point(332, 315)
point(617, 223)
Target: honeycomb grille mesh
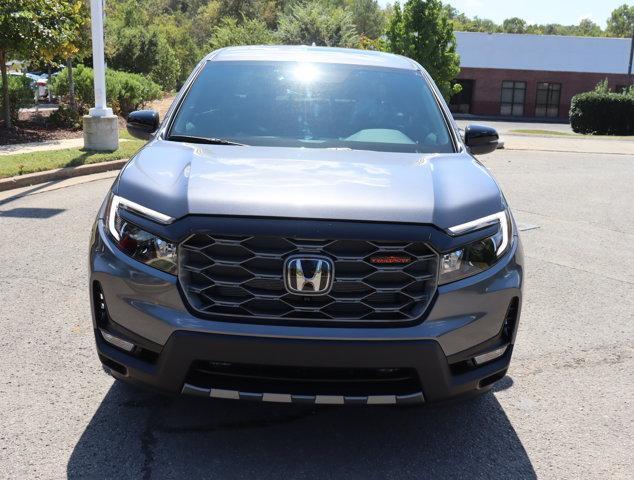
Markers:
point(243, 276)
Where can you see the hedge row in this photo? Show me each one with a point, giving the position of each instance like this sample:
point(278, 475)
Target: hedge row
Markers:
point(125, 91)
point(20, 95)
point(604, 113)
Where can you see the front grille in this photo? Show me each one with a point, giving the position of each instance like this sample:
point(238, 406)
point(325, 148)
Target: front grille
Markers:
point(243, 276)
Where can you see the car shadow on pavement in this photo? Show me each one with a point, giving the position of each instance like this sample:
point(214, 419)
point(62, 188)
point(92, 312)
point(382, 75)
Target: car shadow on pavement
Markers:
point(137, 434)
point(31, 212)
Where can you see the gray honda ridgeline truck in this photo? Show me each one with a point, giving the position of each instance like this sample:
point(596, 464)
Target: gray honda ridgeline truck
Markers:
point(307, 225)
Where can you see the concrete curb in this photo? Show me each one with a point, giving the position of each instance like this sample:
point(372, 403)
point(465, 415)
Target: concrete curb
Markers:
point(59, 174)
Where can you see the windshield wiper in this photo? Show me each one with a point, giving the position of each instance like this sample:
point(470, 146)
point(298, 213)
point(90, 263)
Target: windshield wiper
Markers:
point(206, 140)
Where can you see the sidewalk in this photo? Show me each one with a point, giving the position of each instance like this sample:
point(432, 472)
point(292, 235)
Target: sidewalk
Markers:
point(41, 146)
point(568, 144)
point(44, 146)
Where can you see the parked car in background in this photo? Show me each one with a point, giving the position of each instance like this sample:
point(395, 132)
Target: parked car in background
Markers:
point(307, 225)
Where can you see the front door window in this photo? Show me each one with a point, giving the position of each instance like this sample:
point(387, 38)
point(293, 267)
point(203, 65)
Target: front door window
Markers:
point(548, 95)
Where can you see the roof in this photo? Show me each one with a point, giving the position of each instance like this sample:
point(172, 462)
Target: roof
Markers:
point(555, 53)
point(300, 53)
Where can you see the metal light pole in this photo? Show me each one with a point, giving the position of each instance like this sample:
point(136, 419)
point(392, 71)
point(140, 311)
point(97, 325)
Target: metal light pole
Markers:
point(629, 69)
point(100, 125)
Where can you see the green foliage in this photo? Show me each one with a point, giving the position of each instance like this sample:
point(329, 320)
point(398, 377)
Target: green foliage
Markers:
point(138, 30)
point(124, 91)
point(514, 25)
point(150, 45)
point(603, 112)
point(602, 86)
point(587, 28)
point(319, 23)
point(65, 117)
point(166, 71)
point(368, 18)
point(146, 51)
point(422, 31)
point(376, 44)
point(20, 94)
point(621, 22)
point(29, 27)
point(35, 28)
point(249, 32)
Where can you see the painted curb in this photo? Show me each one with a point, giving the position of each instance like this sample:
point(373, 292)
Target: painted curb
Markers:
point(59, 174)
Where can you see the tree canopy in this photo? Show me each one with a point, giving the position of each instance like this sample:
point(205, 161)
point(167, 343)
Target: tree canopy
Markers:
point(36, 29)
point(319, 23)
point(621, 22)
point(422, 30)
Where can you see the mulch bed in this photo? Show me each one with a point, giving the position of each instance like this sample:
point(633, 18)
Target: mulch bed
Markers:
point(34, 127)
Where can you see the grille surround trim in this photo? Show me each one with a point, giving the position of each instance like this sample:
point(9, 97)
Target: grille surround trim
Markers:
point(241, 278)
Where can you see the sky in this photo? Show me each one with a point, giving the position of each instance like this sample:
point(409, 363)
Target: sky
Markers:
point(566, 12)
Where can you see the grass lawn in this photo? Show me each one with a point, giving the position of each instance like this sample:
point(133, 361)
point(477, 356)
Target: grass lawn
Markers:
point(544, 132)
point(556, 133)
point(22, 163)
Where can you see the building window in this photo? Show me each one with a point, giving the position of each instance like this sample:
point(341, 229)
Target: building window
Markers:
point(461, 103)
point(548, 95)
point(513, 94)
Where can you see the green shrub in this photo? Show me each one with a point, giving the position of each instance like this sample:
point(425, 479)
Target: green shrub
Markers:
point(167, 68)
point(125, 91)
point(249, 32)
point(20, 94)
point(603, 113)
point(65, 117)
point(147, 53)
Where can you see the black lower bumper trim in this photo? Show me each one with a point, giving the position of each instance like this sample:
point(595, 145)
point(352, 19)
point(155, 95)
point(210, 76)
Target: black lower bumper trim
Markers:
point(183, 349)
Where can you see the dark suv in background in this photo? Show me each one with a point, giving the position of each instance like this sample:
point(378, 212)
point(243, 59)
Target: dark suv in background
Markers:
point(307, 225)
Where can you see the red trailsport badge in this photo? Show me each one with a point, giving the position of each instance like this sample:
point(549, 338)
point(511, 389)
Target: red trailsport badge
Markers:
point(391, 259)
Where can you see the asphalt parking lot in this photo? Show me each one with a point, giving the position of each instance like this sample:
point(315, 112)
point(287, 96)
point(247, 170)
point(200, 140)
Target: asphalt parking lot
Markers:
point(563, 411)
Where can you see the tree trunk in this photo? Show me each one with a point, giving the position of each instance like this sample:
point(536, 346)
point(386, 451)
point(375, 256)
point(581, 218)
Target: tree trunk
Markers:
point(48, 86)
point(71, 85)
point(5, 90)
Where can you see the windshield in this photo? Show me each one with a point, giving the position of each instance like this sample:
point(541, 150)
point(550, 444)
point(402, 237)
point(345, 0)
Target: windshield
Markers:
point(316, 105)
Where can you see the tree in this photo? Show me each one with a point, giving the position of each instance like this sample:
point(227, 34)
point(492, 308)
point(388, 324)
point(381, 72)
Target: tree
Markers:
point(249, 32)
point(422, 31)
point(621, 22)
point(514, 25)
point(587, 28)
point(26, 26)
point(166, 70)
point(318, 23)
point(367, 17)
point(74, 38)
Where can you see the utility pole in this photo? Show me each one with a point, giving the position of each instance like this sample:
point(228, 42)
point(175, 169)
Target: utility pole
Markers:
point(101, 130)
point(629, 69)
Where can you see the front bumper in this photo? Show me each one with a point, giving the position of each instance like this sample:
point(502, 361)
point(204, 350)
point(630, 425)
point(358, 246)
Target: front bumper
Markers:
point(145, 307)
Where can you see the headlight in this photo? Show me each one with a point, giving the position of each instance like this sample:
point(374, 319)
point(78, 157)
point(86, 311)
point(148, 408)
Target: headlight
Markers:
point(480, 255)
point(138, 243)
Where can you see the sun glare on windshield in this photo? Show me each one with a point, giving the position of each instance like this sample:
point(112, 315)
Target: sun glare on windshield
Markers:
point(306, 73)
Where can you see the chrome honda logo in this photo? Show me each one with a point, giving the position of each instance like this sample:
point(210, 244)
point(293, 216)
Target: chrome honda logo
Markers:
point(308, 275)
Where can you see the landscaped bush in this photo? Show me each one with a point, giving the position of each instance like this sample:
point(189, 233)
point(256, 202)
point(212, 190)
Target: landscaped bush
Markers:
point(20, 95)
point(125, 91)
point(65, 117)
point(603, 112)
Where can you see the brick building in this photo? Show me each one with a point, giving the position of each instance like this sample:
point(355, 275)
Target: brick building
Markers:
point(534, 75)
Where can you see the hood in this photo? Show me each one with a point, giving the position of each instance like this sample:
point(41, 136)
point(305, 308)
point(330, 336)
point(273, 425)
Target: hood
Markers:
point(335, 184)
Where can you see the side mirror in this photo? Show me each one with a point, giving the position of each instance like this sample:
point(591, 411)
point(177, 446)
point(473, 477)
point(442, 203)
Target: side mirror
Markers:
point(480, 139)
point(143, 123)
